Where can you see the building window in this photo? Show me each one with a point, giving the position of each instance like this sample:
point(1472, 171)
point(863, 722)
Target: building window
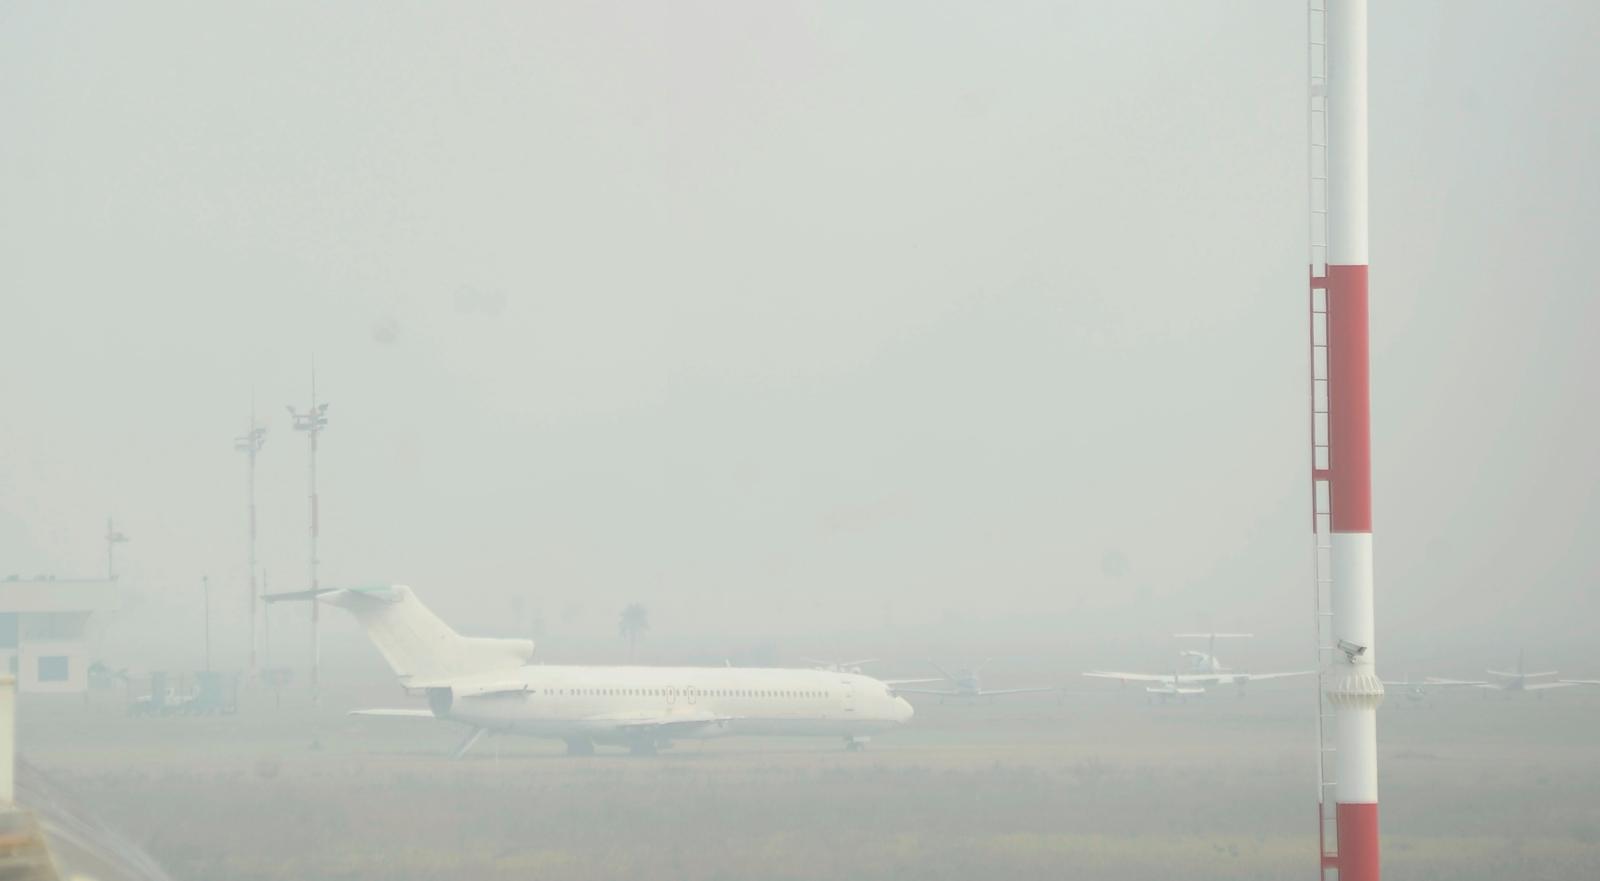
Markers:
point(8, 630)
point(53, 668)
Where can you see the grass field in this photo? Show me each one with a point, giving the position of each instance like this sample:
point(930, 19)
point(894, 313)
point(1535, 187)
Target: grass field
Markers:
point(1100, 786)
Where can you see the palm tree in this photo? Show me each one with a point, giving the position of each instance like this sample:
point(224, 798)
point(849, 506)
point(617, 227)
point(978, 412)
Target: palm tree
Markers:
point(634, 621)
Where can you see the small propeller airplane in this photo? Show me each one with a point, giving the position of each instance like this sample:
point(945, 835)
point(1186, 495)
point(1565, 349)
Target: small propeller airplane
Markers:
point(1204, 670)
point(1520, 680)
point(966, 684)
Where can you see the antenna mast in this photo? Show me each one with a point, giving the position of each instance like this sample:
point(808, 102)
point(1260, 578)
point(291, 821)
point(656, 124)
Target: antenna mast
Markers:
point(313, 421)
point(250, 444)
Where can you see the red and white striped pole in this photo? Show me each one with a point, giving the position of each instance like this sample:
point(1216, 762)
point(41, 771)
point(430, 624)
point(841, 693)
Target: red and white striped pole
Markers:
point(1352, 685)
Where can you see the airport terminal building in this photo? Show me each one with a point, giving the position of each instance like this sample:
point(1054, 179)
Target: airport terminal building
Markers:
point(44, 630)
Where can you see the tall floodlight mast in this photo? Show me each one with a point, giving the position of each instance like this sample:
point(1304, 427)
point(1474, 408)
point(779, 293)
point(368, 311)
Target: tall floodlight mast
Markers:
point(1349, 689)
point(250, 444)
point(312, 422)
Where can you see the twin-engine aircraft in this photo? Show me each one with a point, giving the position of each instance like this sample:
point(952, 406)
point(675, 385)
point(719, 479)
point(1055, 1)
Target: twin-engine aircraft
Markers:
point(490, 685)
point(1516, 681)
point(1203, 670)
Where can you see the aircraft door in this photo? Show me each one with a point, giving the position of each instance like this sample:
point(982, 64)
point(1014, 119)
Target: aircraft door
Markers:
point(848, 694)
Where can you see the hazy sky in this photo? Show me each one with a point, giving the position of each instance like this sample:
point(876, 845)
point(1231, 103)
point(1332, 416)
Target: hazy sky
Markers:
point(784, 317)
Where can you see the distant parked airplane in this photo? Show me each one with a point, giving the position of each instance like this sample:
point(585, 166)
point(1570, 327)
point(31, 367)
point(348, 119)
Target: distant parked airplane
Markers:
point(489, 685)
point(1521, 680)
point(1204, 669)
point(967, 684)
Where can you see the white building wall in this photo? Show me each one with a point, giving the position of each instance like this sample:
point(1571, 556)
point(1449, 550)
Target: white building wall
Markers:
point(53, 666)
point(49, 631)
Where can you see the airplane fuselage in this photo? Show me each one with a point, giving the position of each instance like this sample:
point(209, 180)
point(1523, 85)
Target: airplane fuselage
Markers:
point(622, 705)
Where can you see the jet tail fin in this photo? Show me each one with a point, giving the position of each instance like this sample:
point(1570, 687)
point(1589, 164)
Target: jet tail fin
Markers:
point(417, 644)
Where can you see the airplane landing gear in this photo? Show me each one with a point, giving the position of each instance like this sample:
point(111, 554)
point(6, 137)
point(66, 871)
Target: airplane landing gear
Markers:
point(856, 744)
point(467, 744)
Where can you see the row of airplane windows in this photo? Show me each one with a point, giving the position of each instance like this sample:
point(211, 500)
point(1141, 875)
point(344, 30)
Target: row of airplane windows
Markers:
point(669, 692)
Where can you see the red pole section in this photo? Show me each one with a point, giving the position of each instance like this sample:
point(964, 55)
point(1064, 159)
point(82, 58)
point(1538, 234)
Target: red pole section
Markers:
point(1349, 400)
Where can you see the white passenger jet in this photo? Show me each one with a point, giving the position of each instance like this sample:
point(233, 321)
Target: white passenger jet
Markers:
point(491, 686)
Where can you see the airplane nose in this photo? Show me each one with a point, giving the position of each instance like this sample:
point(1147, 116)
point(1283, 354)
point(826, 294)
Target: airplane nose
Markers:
point(903, 710)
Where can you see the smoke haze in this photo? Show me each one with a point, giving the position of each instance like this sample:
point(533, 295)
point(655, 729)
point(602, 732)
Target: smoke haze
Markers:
point(791, 319)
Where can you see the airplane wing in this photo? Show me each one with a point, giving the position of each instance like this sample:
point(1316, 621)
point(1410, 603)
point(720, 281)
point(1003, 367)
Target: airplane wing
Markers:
point(929, 691)
point(1502, 673)
point(897, 682)
point(395, 714)
point(469, 689)
point(1476, 683)
point(1128, 677)
point(1256, 677)
point(1582, 681)
point(1541, 686)
point(1418, 684)
point(1187, 678)
point(679, 722)
point(996, 692)
point(291, 595)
